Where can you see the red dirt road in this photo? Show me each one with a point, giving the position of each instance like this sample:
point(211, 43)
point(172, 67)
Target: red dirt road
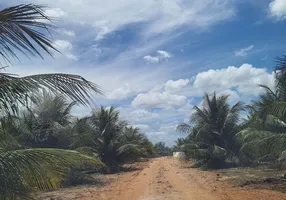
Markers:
point(164, 179)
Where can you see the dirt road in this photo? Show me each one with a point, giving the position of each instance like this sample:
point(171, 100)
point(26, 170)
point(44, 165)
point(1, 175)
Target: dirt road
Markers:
point(163, 178)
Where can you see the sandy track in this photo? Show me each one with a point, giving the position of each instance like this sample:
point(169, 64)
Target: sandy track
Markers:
point(163, 178)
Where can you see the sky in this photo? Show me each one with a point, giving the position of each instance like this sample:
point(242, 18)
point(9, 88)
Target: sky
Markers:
point(155, 59)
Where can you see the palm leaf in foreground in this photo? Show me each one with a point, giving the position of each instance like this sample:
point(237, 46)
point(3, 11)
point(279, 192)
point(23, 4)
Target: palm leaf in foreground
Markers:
point(260, 143)
point(18, 89)
point(21, 29)
point(32, 170)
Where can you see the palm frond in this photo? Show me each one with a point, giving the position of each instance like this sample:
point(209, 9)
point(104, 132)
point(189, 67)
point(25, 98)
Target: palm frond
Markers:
point(31, 170)
point(21, 29)
point(247, 135)
point(19, 89)
point(184, 128)
point(268, 90)
point(218, 152)
point(277, 108)
point(129, 149)
point(273, 144)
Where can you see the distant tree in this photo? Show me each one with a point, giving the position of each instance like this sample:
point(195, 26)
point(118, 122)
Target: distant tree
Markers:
point(161, 149)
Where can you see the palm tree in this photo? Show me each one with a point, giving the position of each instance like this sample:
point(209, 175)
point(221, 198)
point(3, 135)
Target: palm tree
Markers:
point(215, 122)
point(28, 170)
point(108, 130)
point(161, 149)
point(264, 132)
point(138, 144)
point(214, 125)
point(45, 123)
point(109, 138)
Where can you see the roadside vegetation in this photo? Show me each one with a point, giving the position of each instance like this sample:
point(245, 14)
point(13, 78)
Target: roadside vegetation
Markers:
point(218, 136)
point(42, 145)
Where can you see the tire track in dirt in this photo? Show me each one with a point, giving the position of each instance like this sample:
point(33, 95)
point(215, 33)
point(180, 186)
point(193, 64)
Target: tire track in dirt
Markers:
point(165, 179)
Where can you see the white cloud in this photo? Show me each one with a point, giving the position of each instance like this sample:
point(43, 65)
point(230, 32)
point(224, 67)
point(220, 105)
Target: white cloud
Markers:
point(173, 86)
point(159, 16)
point(171, 127)
point(103, 29)
point(71, 56)
point(81, 111)
point(164, 54)
point(233, 96)
point(67, 32)
point(55, 12)
point(65, 47)
point(277, 9)
point(244, 51)
point(142, 115)
point(120, 93)
point(151, 59)
point(142, 127)
point(245, 78)
point(158, 100)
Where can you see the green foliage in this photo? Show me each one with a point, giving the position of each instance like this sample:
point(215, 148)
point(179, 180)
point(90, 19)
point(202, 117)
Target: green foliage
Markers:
point(104, 136)
point(211, 138)
point(31, 170)
point(45, 123)
point(19, 25)
point(101, 136)
point(161, 149)
point(24, 171)
point(264, 132)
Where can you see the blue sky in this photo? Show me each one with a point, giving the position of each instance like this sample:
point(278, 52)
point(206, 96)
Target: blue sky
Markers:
point(154, 59)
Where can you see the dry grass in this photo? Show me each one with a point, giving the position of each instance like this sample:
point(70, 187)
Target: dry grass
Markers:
point(255, 178)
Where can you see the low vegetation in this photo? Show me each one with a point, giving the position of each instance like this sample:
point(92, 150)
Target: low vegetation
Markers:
point(56, 148)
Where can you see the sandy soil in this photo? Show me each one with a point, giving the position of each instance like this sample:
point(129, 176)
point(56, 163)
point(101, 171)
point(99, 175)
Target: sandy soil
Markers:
point(166, 179)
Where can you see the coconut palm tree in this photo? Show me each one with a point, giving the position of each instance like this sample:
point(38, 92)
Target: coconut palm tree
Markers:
point(28, 170)
point(108, 130)
point(215, 122)
point(45, 123)
point(264, 132)
point(109, 138)
point(214, 125)
point(139, 145)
